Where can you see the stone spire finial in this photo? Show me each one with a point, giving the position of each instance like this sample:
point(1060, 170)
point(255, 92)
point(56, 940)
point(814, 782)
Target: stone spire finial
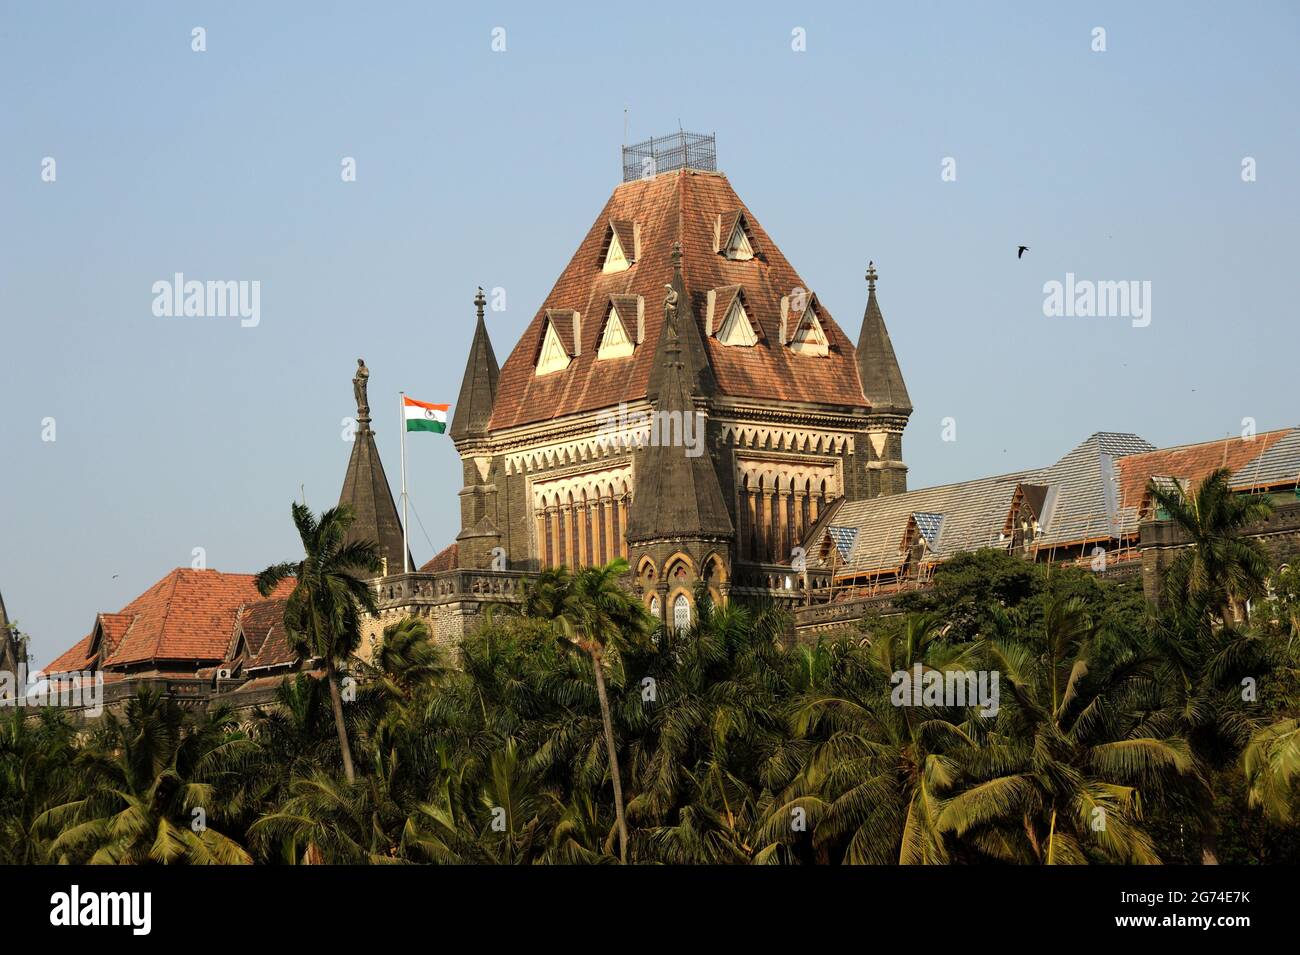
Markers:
point(479, 301)
point(872, 275)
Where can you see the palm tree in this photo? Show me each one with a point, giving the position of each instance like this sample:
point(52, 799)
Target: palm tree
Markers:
point(1064, 769)
point(1272, 765)
point(323, 614)
point(36, 772)
point(593, 612)
point(149, 781)
point(1221, 570)
point(873, 782)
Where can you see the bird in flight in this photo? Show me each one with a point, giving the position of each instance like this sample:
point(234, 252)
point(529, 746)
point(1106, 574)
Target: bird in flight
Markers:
point(1021, 250)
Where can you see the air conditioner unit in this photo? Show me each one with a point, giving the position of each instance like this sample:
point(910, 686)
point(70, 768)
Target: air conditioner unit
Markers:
point(223, 674)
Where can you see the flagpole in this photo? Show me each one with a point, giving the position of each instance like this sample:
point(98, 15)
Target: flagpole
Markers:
point(406, 550)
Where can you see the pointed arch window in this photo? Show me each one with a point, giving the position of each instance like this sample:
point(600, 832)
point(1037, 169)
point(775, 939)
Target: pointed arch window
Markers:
point(681, 614)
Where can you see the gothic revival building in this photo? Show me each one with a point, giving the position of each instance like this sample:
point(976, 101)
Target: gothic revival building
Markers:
point(681, 399)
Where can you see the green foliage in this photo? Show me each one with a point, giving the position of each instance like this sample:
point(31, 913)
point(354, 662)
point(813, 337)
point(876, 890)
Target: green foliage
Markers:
point(1123, 733)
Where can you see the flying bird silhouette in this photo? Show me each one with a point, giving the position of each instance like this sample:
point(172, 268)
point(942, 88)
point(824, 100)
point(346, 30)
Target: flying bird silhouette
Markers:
point(1021, 250)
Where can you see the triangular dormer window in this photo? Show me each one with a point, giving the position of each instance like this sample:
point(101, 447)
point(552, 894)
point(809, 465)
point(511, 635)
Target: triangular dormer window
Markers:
point(732, 236)
point(615, 341)
point(615, 258)
point(736, 328)
point(553, 356)
point(621, 241)
point(809, 337)
point(738, 246)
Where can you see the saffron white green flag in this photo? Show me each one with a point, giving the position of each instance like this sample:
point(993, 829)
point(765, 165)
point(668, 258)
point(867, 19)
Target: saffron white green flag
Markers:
point(422, 416)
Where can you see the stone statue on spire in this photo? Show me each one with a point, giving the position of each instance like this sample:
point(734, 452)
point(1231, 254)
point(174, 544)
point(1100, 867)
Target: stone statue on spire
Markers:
point(359, 385)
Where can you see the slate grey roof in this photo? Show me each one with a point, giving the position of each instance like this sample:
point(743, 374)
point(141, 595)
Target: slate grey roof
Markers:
point(1083, 494)
point(1080, 505)
point(973, 514)
point(1280, 464)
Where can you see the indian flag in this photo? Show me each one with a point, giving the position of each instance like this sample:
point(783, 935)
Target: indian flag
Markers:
point(422, 416)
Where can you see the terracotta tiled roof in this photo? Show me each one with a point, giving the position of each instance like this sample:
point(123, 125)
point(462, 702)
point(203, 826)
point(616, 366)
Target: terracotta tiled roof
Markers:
point(1190, 463)
point(259, 620)
point(678, 206)
point(188, 615)
point(275, 650)
point(445, 559)
point(75, 658)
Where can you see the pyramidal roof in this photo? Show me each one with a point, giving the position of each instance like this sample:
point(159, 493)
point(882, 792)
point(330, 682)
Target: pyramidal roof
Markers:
point(478, 389)
point(693, 208)
point(673, 488)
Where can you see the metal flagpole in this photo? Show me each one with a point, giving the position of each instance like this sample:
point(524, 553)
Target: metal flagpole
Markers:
point(406, 548)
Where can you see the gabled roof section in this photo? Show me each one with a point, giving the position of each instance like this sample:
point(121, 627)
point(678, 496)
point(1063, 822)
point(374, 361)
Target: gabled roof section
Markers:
point(622, 246)
point(679, 206)
point(445, 559)
point(807, 337)
point(734, 237)
point(189, 615)
point(726, 318)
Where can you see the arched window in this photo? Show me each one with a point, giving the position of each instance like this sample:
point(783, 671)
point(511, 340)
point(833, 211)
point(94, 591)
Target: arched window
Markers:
point(681, 613)
point(654, 607)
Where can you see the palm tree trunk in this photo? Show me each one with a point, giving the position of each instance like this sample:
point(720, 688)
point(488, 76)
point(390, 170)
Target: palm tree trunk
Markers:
point(337, 702)
point(1210, 844)
point(613, 755)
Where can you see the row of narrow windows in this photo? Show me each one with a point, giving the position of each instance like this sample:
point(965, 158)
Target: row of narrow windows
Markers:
point(582, 533)
point(773, 522)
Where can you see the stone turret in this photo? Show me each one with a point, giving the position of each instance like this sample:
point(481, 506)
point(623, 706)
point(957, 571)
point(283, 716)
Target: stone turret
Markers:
point(480, 534)
point(886, 393)
point(679, 519)
point(366, 489)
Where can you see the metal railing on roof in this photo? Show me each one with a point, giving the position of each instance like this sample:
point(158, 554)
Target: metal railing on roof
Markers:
point(679, 150)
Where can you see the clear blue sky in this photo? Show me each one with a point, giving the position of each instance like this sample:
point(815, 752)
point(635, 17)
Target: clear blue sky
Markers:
point(477, 167)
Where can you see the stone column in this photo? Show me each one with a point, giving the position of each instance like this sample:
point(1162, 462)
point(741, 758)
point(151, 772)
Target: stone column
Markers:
point(540, 515)
point(556, 558)
point(582, 557)
point(606, 508)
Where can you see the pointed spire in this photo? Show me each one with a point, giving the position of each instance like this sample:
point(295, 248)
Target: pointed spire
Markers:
point(365, 486)
point(882, 380)
point(478, 389)
point(12, 653)
point(677, 494)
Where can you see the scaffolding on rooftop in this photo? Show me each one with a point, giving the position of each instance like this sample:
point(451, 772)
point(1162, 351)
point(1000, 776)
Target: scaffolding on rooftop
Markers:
point(679, 150)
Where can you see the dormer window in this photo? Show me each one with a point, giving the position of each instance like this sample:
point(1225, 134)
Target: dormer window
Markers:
point(615, 342)
point(803, 332)
point(733, 238)
point(559, 346)
point(622, 246)
point(726, 312)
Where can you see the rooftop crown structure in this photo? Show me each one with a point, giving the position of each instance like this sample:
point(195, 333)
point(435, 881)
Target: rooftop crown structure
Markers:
point(677, 309)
